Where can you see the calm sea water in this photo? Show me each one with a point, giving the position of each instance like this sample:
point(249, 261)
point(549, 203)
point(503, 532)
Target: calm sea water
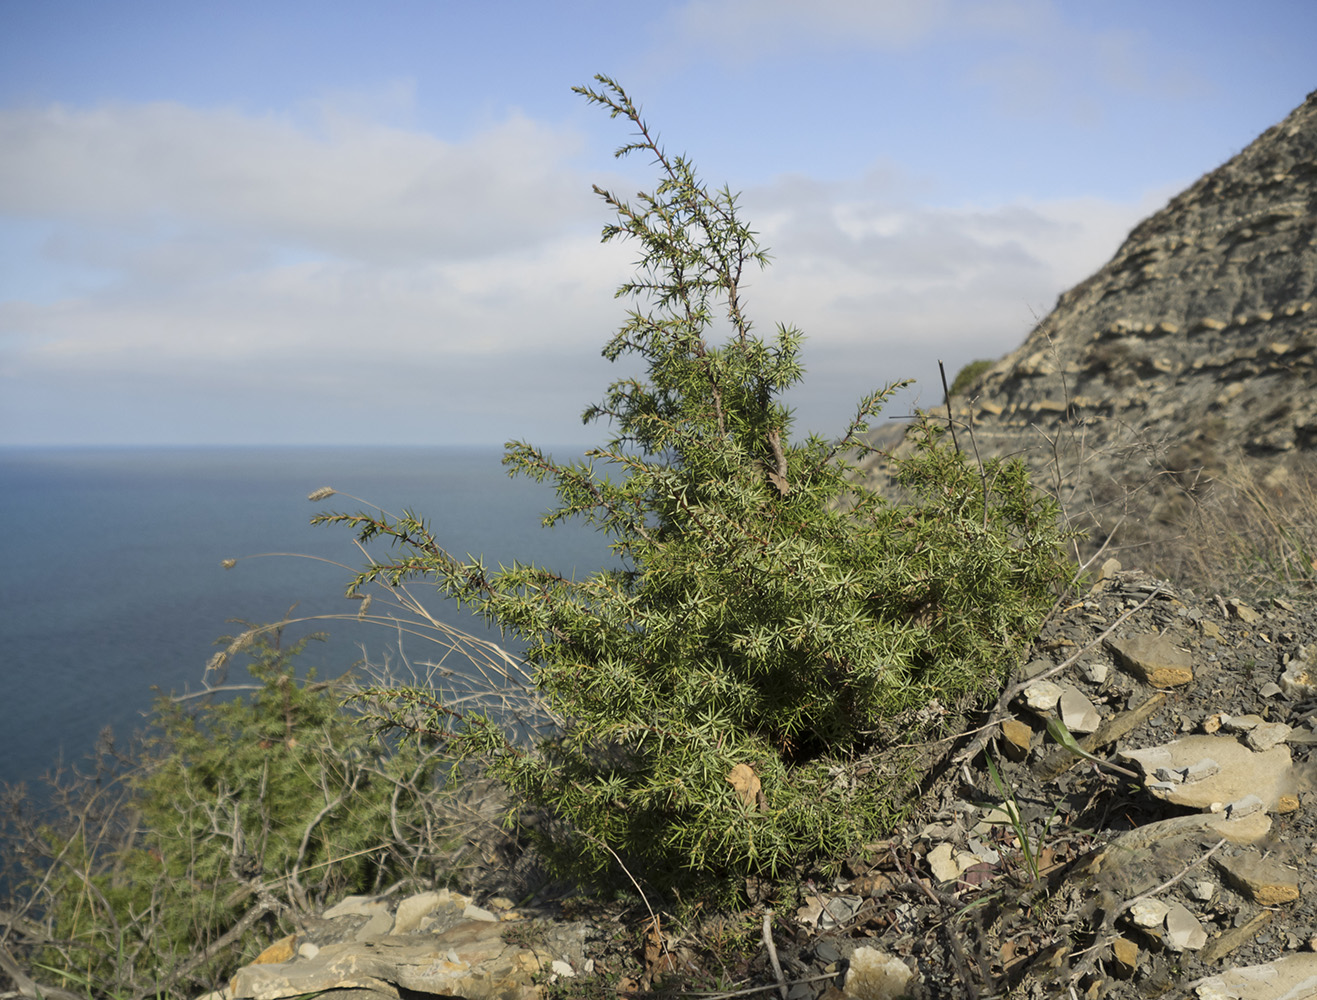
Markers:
point(112, 584)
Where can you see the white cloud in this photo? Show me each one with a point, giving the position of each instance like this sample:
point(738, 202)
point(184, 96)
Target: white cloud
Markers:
point(349, 186)
point(855, 248)
point(260, 280)
point(884, 288)
point(549, 296)
point(212, 256)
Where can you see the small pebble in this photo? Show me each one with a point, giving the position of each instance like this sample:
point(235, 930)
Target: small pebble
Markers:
point(827, 952)
point(1096, 673)
point(1246, 806)
point(1149, 912)
point(1042, 696)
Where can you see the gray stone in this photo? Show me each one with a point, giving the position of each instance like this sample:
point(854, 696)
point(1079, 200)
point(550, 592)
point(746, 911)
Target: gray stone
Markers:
point(1184, 932)
point(473, 912)
point(1262, 880)
point(366, 906)
point(839, 910)
point(1204, 768)
point(1095, 672)
point(1267, 735)
point(1077, 712)
point(827, 952)
point(1293, 977)
point(1242, 611)
point(1149, 913)
point(413, 909)
point(1259, 734)
point(826, 912)
point(1246, 806)
point(1042, 696)
point(1240, 723)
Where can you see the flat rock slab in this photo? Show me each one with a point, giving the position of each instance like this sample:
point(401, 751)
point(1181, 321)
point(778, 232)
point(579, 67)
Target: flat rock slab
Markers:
point(1154, 659)
point(1184, 931)
point(1164, 833)
point(1293, 977)
point(378, 919)
point(471, 960)
point(1240, 772)
point(1262, 880)
point(1077, 712)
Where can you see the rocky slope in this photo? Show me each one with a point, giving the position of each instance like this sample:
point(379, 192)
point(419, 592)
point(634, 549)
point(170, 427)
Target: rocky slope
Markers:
point(1182, 865)
point(1194, 347)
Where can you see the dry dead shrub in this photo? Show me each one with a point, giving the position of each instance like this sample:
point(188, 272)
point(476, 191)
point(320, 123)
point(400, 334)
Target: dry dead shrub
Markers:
point(1252, 531)
point(159, 869)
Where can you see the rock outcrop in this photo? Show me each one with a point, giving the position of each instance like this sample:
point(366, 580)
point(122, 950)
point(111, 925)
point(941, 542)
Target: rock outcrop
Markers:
point(436, 944)
point(1175, 850)
point(1194, 346)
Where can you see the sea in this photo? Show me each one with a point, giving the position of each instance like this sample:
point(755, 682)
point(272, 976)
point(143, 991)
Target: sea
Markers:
point(113, 589)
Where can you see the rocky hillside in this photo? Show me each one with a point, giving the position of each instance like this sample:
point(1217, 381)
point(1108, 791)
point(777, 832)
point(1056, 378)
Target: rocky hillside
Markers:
point(1193, 349)
point(1192, 876)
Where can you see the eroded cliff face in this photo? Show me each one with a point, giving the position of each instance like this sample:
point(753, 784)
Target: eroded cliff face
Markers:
point(1193, 349)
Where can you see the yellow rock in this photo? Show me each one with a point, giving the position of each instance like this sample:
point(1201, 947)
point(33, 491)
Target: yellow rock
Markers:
point(281, 951)
point(1126, 955)
point(1154, 659)
point(1018, 736)
point(1264, 881)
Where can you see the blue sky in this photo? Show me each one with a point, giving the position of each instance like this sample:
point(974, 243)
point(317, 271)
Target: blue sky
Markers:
point(325, 222)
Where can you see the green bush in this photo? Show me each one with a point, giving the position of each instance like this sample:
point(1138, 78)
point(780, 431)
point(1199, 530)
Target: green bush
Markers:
point(774, 632)
point(966, 376)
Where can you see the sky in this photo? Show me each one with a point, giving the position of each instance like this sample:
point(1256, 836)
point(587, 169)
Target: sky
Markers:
point(347, 223)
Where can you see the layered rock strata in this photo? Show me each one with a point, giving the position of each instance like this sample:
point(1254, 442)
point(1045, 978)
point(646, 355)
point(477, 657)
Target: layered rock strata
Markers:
point(1195, 345)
